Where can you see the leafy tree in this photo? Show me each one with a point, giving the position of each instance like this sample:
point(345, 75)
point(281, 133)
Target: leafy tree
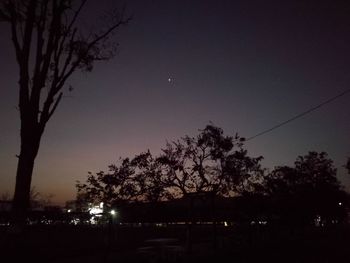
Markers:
point(308, 189)
point(283, 180)
point(135, 180)
point(49, 48)
point(151, 178)
point(209, 162)
point(117, 185)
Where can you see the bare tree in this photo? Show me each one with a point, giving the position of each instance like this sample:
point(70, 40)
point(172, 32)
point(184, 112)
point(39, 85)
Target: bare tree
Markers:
point(49, 48)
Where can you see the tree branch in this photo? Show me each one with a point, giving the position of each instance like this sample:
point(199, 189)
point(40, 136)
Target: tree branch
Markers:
point(13, 22)
point(55, 105)
point(41, 23)
point(28, 32)
point(110, 30)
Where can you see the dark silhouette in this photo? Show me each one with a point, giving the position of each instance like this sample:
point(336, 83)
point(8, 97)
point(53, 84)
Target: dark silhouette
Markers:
point(209, 162)
point(302, 210)
point(310, 187)
point(135, 180)
point(49, 48)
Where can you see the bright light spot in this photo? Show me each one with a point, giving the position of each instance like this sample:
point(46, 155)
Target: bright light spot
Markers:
point(93, 220)
point(318, 221)
point(113, 212)
point(75, 221)
point(101, 205)
point(95, 210)
point(340, 203)
point(170, 79)
point(69, 210)
point(225, 223)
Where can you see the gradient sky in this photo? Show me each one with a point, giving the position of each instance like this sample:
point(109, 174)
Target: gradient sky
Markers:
point(243, 65)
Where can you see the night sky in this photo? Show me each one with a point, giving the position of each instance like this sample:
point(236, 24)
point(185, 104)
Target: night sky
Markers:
point(245, 66)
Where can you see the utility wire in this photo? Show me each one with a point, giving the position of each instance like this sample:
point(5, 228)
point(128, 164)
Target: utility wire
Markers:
point(299, 115)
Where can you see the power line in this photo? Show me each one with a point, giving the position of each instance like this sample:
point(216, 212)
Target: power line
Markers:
point(299, 115)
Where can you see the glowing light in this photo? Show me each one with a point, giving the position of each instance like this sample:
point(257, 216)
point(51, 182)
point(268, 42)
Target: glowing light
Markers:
point(225, 223)
point(101, 205)
point(113, 212)
point(75, 221)
point(95, 211)
point(340, 203)
point(69, 210)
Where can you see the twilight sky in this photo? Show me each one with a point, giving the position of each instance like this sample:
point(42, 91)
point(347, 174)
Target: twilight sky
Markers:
point(243, 65)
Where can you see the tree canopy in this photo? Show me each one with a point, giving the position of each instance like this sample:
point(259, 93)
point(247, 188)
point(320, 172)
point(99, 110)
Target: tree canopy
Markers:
point(208, 162)
point(308, 189)
point(216, 164)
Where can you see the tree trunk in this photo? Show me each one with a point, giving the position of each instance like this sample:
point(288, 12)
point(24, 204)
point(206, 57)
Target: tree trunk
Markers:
point(29, 148)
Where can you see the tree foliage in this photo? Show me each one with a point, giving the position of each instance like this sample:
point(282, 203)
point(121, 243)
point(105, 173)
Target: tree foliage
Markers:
point(209, 162)
point(308, 189)
point(135, 180)
point(312, 172)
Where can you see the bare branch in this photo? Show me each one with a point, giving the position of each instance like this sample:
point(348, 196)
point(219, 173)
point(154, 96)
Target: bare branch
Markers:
point(28, 31)
point(13, 22)
point(41, 23)
point(55, 105)
point(70, 55)
point(66, 32)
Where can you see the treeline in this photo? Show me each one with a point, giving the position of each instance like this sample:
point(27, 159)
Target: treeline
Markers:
point(216, 163)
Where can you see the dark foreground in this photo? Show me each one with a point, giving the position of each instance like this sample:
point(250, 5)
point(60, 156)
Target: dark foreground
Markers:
point(68, 244)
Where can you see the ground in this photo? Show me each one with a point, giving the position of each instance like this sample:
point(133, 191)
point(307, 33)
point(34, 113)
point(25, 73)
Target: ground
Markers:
point(68, 244)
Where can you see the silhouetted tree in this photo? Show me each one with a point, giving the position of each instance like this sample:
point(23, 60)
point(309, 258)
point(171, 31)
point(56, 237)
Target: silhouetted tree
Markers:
point(116, 185)
point(209, 162)
point(49, 47)
point(135, 180)
point(308, 189)
point(150, 178)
